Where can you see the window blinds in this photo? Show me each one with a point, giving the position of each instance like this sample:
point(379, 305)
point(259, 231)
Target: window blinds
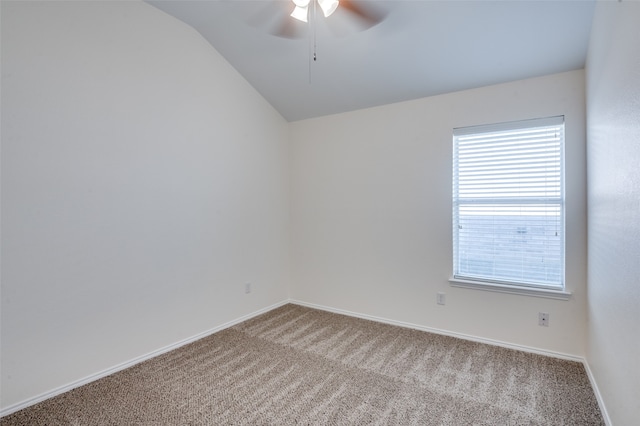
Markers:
point(508, 203)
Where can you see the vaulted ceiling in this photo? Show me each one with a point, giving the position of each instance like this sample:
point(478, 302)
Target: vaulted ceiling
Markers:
point(420, 48)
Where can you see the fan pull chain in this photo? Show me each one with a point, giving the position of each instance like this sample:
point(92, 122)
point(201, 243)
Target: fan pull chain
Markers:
point(310, 56)
point(313, 45)
point(315, 28)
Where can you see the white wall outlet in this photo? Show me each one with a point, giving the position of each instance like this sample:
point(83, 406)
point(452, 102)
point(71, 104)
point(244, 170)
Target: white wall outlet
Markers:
point(247, 288)
point(543, 319)
point(440, 299)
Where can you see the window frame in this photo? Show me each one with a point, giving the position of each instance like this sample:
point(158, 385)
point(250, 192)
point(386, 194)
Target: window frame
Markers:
point(478, 281)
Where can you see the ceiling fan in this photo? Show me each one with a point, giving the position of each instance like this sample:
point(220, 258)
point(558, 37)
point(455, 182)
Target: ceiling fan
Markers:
point(363, 15)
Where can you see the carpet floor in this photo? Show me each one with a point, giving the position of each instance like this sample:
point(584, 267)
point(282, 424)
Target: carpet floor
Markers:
point(300, 366)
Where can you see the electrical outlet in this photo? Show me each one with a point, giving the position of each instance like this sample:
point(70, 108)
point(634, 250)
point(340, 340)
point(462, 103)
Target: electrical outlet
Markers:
point(440, 299)
point(247, 288)
point(543, 319)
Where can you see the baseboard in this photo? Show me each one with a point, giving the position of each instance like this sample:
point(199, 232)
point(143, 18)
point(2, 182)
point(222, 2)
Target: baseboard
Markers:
point(492, 342)
point(46, 395)
point(596, 391)
point(553, 354)
point(75, 384)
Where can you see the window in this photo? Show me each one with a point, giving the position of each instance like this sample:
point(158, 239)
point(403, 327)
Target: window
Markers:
point(508, 205)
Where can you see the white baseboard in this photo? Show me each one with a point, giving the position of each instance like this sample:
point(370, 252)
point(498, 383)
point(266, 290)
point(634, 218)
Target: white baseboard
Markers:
point(553, 354)
point(596, 391)
point(492, 342)
point(93, 377)
point(62, 389)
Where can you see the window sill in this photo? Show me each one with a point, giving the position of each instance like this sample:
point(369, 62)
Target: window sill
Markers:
point(511, 289)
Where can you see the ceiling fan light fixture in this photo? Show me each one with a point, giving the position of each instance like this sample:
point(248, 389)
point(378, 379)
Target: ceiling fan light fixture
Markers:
point(328, 6)
point(301, 10)
point(300, 13)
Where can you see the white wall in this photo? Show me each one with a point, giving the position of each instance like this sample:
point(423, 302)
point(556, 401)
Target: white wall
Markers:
point(613, 126)
point(143, 182)
point(371, 214)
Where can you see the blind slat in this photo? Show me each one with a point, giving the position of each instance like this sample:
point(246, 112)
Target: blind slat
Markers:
point(508, 202)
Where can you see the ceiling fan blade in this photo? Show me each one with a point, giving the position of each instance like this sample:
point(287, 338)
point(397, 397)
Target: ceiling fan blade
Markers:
point(289, 28)
point(273, 17)
point(367, 14)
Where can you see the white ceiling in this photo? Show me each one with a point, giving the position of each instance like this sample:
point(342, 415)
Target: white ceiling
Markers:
point(421, 48)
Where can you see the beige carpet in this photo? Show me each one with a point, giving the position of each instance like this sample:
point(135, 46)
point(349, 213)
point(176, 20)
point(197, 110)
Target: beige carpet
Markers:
point(300, 366)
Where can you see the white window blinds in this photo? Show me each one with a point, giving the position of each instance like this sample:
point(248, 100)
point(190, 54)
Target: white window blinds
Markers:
point(508, 203)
